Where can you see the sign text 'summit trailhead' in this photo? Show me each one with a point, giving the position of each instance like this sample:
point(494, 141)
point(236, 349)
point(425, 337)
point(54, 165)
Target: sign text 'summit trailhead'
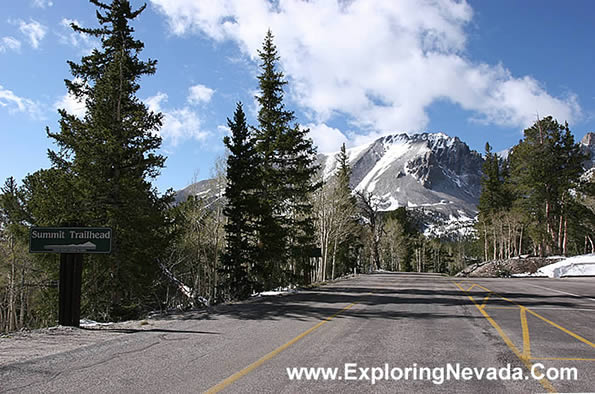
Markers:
point(70, 240)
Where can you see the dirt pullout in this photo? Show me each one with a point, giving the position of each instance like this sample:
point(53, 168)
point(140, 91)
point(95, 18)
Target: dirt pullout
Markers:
point(506, 268)
point(26, 345)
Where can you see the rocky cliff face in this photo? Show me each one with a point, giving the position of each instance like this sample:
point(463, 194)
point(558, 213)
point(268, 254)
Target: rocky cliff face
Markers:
point(588, 147)
point(434, 175)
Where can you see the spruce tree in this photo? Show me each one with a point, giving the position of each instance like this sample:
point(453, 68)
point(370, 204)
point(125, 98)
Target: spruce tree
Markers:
point(494, 197)
point(344, 177)
point(298, 167)
point(346, 227)
point(242, 179)
point(105, 163)
point(287, 156)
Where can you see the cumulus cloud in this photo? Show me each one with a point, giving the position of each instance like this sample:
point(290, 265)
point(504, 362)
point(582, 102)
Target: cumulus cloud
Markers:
point(72, 105)
point(179, 123)
point(223, 129)
point(68, 36)
point(9, 43)
point(13, 103)
point(327, 139)
point(381, 63)
point(33, 30)
point(199, 94)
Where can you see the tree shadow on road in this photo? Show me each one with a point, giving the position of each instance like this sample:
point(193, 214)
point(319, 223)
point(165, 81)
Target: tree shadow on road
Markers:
point(139, 330)
point(384, 296)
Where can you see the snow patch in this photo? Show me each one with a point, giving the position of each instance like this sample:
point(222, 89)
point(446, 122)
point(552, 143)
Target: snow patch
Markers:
point(86, 323)
point(391, 203)
point(276, 292)
point(583, 265)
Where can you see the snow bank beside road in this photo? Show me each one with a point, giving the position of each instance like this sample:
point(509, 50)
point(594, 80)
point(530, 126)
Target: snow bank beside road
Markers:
point(583, 265)
point(276, 292)
point(88, 323)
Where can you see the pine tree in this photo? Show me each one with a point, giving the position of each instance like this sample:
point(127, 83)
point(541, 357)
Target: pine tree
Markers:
point(494, 197)
point(298, 168)
point(344, 175)
point(287, 156)
point(345, 226)
point(242, 179)
point(105, 163)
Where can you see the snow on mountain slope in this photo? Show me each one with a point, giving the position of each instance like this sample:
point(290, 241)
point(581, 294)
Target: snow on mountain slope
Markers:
point(434, 175)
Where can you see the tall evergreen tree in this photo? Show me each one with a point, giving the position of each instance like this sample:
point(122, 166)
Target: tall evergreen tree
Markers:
point(494, 196)
point(242, 180)
point(285, 226)
point(298, 168)
point(105, 163)
point(345, 226)
point(344, 174)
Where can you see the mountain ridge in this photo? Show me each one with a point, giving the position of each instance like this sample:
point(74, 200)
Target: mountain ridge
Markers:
point(435, 176)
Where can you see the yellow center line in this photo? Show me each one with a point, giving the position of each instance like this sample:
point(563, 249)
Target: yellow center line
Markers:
point(563, 358)
point(544, 382)
point(226, 382)
point(526, 339)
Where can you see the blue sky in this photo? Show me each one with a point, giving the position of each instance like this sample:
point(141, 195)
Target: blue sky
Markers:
point(479, 70)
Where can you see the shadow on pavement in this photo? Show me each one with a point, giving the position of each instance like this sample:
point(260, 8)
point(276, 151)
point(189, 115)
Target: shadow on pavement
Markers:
point(137, 330)
point(422, 297)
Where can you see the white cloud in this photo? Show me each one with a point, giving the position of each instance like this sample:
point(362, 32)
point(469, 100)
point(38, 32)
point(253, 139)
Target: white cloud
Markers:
point(42, 3)
point(381, 63)
point(9, 43)
point(72, 105)
point(80, 40)
point(199, 94)
point(224, 129)
point(14, 103)
point(327, 139)
point(178, 124)
point(154, 102)
point(34, 31)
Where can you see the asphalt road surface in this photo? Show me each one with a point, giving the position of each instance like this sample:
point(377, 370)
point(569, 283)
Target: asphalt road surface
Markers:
point(381, 323)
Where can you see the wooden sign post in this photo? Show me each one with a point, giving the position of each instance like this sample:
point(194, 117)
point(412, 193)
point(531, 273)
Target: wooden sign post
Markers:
point(71, 243)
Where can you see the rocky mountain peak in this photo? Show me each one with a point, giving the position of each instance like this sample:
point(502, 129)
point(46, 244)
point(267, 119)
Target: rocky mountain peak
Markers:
point(589, 140)
point(424, 172)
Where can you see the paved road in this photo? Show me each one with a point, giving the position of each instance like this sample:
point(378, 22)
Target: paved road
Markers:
point(403, 320)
